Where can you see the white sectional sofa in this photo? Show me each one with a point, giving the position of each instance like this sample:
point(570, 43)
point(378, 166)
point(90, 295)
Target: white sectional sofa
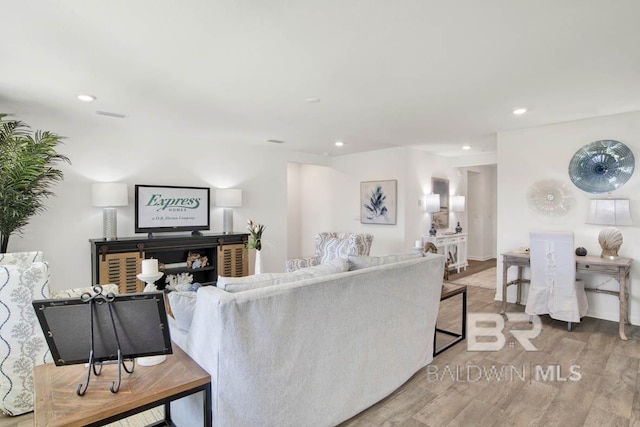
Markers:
point(314, 351)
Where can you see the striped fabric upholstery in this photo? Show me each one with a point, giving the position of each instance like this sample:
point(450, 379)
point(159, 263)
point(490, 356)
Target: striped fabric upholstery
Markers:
point(22, 343)
point(330, 246)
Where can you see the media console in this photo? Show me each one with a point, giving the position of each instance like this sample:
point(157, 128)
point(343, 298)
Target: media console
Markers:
point(118, 261)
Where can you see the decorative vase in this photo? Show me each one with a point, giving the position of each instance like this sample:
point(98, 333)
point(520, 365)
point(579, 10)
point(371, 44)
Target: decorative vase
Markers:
point(258, 269)
point(458, 228)
point(432, 230)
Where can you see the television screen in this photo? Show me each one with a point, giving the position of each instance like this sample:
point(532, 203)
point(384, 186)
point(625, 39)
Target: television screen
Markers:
point(140, 321)
point(170, 208)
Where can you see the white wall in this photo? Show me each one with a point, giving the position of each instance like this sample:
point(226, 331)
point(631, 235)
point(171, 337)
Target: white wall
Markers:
point(113, 154)
point(530, 155)
point(331, 195)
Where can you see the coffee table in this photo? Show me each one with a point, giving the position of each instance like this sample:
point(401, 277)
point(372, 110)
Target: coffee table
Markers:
point(448, 291)
point(57, 404)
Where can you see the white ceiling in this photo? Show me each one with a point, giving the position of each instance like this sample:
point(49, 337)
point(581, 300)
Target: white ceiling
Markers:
point(434, 74)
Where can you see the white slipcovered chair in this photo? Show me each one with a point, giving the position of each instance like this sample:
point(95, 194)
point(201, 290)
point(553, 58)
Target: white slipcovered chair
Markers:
point(330, 246)
point(24, 276)
point(554, 289)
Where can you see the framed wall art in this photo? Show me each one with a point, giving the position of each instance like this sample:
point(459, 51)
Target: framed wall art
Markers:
point(378, 202)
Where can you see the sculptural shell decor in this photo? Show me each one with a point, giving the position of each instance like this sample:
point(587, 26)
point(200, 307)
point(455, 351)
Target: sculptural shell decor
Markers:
point(601, 166)
point(610, 239)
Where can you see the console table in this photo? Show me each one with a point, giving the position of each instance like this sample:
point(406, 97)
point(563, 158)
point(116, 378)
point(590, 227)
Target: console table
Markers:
point(453, 247)
point(118, 261)
point(617, 268)
point(57, 404)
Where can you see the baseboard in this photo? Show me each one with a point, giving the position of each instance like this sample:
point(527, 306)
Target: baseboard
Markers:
point(472, 258)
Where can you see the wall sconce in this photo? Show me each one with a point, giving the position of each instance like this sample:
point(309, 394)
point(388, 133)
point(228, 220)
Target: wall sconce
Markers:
point(228, 198)
point(609, 212)
point(108, 195)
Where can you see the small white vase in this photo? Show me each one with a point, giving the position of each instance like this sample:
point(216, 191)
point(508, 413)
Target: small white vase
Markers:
point(258, 269)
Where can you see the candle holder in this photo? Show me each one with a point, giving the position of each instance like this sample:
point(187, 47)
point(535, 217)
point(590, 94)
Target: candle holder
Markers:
point(150, 280)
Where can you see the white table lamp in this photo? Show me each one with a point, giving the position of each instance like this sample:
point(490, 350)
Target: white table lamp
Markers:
point(228, 198)
point(108, 195)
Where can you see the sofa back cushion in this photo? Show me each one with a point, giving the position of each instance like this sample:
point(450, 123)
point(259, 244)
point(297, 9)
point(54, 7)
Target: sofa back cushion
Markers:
point(359, 262)
point(22, 343)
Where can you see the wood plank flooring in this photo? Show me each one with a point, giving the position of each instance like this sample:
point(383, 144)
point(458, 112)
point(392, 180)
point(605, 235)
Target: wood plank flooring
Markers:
point(462, 388)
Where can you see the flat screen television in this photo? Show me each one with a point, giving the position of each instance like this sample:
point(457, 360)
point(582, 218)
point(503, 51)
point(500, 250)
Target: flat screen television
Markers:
point(139, 319)
point(161, 208)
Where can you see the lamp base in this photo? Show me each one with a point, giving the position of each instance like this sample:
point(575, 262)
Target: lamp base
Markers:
point(227, 221)
point(110, 223)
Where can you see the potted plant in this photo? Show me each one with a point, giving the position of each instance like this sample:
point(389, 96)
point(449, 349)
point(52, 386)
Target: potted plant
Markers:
point(27, 173)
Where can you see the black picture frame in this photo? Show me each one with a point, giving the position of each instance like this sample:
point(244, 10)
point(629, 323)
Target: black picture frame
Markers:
point(140, 320)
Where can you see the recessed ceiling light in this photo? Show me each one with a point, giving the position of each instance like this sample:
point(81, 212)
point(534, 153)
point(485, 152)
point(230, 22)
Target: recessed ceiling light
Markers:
point(520, 110)
point(86, 98)
point(466, 147)
point(313, 100)
point(339, 143)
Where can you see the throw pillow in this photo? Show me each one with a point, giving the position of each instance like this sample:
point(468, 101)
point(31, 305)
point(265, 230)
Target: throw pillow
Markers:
point(328, 248)
point(358, 262)
point(183, 304)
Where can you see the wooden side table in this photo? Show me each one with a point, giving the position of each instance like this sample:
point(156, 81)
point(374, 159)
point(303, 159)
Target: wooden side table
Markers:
point(448, 291)
point(519, 260)
point(618, 268)
point(57, 404)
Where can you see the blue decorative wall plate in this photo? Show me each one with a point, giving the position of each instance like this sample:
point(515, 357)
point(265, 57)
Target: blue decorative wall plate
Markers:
point(601, 166)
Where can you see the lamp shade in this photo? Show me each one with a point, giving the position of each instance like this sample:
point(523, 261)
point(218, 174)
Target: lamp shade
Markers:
point(432, 203)
point(229, 197)
point(457, 203)
point(109, 194)
point(609, 212)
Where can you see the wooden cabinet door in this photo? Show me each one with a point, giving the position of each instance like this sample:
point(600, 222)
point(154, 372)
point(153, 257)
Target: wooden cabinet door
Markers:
point(233, 260)
point(122, 269)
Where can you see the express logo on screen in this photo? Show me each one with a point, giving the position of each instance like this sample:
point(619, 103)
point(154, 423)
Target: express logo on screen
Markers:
point(178, 202)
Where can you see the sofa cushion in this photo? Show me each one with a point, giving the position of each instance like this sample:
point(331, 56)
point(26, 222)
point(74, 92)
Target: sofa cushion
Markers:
point(357, 262)
point(22, 343)
point(330, 267)
point(182, 306)
point(247, 283)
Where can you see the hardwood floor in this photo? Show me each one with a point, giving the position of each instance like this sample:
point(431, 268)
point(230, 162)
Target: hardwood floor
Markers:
point(501, 388)
point(514, 387)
